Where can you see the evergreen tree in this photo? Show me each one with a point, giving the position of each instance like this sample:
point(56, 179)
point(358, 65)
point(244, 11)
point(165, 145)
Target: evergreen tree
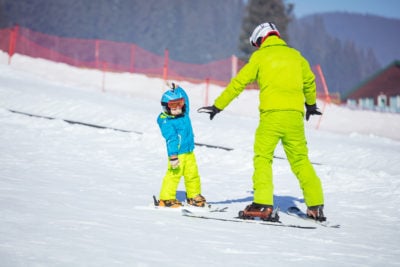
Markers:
point(259, 11)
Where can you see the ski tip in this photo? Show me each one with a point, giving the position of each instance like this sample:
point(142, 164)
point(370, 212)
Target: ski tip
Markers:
point(224, 209)
point(334, 225)
point(186, 211)
point(156, 202)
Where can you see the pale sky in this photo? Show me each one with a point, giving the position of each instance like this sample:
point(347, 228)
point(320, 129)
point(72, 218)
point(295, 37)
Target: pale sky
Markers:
point(385, 8)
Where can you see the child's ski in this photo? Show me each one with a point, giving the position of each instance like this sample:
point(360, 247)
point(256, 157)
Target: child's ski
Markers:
point(207, 208)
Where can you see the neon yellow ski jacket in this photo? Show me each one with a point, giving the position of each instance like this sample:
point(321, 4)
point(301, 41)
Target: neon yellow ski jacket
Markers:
point(283, 75)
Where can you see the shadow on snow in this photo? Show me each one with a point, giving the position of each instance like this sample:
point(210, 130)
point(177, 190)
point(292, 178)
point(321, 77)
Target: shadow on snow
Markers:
point(283, 202)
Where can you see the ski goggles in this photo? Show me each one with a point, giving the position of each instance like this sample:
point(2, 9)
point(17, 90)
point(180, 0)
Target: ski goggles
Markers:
point(177, 103)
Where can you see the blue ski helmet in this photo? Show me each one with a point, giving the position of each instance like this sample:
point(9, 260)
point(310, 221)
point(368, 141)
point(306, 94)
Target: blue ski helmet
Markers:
point(172, 97)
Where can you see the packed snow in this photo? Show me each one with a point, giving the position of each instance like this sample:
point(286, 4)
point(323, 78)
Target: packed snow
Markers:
point(73, 195)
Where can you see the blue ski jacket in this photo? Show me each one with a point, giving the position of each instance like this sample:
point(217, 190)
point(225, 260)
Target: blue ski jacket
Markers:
point(177, 130)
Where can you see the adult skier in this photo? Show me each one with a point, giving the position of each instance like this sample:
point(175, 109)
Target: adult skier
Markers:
point(286, 84)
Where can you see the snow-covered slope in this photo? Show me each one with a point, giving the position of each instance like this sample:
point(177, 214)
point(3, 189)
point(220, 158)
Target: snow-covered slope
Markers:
point(72, 195)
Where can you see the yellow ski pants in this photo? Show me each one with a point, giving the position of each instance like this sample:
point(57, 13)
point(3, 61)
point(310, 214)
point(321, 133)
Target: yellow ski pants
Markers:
point(287, 127)
point(188, 169)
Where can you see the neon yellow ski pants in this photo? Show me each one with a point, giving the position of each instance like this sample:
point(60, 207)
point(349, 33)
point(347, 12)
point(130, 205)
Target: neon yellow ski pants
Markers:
point(188, 169)
point(287, 127)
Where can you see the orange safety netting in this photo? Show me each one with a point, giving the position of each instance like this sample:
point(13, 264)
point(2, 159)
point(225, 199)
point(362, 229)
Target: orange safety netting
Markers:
point(125, 57)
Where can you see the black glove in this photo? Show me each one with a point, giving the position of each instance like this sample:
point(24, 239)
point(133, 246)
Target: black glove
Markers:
point(312, 110)
point(212, 110)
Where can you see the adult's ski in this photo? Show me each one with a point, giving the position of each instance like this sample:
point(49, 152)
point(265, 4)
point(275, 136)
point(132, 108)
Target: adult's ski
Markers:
point(188, 213)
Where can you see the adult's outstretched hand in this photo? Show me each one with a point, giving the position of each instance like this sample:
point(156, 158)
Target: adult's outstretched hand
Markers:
point(212, 110)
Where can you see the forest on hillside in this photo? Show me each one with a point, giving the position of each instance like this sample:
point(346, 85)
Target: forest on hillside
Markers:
point(344, 64)
point(193, 31)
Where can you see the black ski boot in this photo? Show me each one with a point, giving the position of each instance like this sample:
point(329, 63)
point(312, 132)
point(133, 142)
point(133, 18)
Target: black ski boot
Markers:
point(316, 213)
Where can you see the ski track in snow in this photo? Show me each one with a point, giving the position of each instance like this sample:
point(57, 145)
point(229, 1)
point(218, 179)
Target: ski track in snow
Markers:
point(68, 192)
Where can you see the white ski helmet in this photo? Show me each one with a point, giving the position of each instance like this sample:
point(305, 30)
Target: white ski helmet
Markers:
point(261, 32)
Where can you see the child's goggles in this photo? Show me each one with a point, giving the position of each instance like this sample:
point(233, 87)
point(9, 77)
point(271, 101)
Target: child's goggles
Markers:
point(177, 103)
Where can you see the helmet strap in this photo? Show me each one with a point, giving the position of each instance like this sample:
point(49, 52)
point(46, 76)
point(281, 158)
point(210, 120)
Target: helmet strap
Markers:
point(259, 41)
point(263, 39)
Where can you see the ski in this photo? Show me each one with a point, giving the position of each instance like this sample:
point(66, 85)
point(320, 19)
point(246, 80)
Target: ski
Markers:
point(298, 213)
point(208, 208)
point(191, 214)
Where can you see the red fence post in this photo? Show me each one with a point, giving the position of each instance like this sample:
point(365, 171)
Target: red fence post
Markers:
point(207, 90)
point(321, 75)
point(12, 43)
point(103, 83)
point(234, 63)
point(165, 70)
point(96, 53)
point(327, 99)
point(132, 65)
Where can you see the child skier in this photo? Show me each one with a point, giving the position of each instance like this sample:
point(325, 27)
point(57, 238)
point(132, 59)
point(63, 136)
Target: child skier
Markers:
point(176, 128)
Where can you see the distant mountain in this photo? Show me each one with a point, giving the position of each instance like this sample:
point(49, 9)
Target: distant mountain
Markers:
point(366, 31)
